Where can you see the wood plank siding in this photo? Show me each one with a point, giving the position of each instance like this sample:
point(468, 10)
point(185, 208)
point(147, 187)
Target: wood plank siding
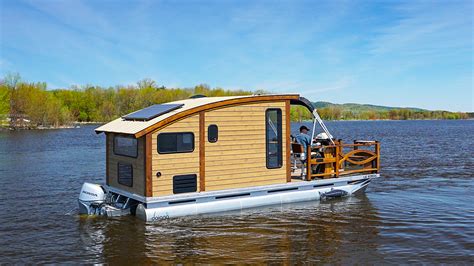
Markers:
point(138, 165)
point(238, 158)
point(170, 165)
point(209, 105)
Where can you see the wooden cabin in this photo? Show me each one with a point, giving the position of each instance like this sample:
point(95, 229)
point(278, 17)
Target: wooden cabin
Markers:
point(210, 144)
point(216, 154)
point(204, 144)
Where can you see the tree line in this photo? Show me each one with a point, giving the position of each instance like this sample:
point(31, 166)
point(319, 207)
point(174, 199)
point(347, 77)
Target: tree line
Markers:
point(343, 113)
point(31, 105)
point(28, 104)
point(340, 113)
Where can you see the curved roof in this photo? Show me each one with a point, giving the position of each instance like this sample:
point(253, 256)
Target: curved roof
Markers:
point(191, 107)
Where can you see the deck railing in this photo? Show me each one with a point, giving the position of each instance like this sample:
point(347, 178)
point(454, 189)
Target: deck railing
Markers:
point(343, 159)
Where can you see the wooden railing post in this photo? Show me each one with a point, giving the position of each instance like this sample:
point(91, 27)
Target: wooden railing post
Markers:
point(338, 151)
point(377, 152)
point(308, 163)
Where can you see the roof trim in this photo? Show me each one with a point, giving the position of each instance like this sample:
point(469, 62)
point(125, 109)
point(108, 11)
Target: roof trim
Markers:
point(304, 102)
point(210, 106)
point(194, 107)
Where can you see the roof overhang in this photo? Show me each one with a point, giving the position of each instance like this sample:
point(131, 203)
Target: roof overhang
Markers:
point(193, 107)
point(304, 102)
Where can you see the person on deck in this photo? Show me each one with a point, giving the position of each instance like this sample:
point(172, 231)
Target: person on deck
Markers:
point(303, 138)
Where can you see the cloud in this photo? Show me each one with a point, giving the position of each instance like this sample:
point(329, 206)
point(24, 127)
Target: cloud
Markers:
point(280, 86)
point(308, 89)
point(384, 49)
point(425, 30)
point(338, 85)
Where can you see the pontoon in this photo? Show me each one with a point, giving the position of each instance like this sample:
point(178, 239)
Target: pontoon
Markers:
point(215, 154)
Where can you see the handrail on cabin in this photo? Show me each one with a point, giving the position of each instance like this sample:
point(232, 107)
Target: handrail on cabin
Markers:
point(337, 163)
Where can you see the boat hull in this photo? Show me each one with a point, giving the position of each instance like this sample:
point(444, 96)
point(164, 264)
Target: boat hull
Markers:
point(156, 209)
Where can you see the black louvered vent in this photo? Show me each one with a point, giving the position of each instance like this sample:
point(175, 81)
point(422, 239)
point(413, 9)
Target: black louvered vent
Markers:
point(184, 183)
point(125, 174)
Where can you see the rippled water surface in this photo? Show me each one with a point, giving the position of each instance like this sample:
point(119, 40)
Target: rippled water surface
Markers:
point(422, 210)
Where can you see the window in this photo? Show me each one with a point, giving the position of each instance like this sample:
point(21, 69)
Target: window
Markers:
point(125, 174)
point(212, 133)
point(273, 138)
point(126, 146)
point(184, 183)
point(175, 142)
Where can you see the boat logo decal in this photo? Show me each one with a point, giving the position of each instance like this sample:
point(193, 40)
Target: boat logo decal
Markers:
point(89, 193)
point(159, 217)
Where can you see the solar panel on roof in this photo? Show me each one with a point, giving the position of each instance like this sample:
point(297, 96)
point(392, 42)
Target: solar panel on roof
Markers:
point(151, 112)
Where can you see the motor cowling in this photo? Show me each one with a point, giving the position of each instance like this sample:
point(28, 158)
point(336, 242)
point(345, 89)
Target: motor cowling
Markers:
point(92, 193)
point(90, 198)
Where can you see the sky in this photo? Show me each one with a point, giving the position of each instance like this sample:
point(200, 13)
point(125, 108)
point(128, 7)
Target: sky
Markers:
point(395, 53)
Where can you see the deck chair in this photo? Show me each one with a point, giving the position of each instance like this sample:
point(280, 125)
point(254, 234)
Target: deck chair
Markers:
point(298, 156)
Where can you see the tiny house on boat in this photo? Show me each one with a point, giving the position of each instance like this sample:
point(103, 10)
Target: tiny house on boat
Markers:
point(215, 154)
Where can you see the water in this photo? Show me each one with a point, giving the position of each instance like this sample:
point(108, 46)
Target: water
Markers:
point(422, 210)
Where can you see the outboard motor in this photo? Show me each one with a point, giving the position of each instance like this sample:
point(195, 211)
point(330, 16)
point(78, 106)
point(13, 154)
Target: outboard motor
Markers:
point(91, 199)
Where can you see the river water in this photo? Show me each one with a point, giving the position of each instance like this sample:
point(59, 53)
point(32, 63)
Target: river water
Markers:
point(421, 210)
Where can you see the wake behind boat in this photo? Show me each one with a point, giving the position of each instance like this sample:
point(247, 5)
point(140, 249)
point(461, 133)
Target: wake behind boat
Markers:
point(215, 154)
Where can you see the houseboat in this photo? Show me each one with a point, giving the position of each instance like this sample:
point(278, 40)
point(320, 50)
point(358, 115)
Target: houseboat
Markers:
point(215, 154)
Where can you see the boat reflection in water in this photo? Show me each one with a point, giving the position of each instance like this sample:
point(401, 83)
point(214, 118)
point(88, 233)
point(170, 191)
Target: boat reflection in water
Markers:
point(339, 230)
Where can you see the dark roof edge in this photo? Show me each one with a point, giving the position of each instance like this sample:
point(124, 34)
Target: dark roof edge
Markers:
point(304, 102)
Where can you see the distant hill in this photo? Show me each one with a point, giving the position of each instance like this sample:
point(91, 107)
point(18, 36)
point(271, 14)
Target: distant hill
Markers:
point(355, 107)
point(354, 111)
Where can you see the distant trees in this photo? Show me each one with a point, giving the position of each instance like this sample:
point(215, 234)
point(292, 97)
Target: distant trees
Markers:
point(4, 99)
point(331, 113)
point(338, 113)
point(335, 112)
point(9, 83)
point(299, 113)
point(96, 104)
point(30, 104)
point(27, 104)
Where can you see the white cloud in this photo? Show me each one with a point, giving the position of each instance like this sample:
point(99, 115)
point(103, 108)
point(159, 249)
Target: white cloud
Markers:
point(425, 29)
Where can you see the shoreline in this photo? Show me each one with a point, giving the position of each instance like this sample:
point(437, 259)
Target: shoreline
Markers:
point(5, 127)
point(374, 120)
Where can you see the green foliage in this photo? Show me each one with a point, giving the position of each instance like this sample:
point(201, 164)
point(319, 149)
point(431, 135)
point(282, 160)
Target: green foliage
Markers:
point(351, 111)
point(335, 112)
point(89, 103)
point(4, 100)
point(42, 107)
point(300, 113)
